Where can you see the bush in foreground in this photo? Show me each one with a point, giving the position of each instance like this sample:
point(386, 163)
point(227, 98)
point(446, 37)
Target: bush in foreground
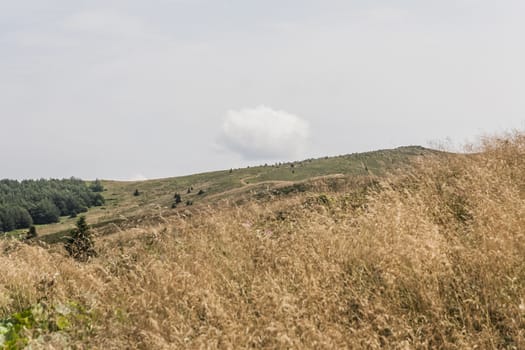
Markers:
point(80, 245)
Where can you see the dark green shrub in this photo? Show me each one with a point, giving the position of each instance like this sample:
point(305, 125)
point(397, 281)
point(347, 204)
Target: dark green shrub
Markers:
point(98, 200)
point(96, 186)
point(43, 201)
point(31, 233)
point(80, 245)
point(45, 212)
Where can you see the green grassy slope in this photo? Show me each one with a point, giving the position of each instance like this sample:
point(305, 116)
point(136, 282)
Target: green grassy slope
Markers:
point(157, 195)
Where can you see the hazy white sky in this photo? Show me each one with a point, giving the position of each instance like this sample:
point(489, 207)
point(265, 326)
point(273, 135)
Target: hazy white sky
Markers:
point(127, 89)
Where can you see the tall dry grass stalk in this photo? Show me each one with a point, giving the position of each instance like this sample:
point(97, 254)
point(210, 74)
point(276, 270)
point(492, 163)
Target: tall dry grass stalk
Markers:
point(434, 258)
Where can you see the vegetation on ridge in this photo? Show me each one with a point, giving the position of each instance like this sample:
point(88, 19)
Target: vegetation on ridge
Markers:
point(431, 258)
point(127, 201)
point(23, 203)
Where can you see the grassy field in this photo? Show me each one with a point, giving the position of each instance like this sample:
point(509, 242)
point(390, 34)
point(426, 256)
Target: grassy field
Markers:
point(157, 195)
point(430, 257)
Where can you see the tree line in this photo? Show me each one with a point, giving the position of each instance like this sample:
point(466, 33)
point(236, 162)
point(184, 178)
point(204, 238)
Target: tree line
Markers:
point(28, 202)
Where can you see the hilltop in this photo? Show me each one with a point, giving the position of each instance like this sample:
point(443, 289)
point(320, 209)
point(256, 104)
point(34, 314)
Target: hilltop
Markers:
point(129, 201)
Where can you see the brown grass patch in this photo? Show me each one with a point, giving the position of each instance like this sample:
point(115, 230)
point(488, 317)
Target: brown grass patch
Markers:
point(429, 259)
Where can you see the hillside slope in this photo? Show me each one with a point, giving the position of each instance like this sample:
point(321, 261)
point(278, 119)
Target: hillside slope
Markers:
point(157, 196)
point(427, 258)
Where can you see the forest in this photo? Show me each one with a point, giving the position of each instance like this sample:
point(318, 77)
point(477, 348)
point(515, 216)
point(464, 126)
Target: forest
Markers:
point(28, 202)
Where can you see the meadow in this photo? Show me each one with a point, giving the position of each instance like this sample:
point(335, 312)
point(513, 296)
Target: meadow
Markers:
point(157, 196)
point(430, 256)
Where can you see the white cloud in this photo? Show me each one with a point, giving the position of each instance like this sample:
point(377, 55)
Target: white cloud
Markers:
point(264, 133)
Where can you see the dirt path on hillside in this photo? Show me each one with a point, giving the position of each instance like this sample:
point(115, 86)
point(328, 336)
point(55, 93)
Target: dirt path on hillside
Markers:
point(247, 186)
point(243, 180)
point(275, 184)
point(159, 215)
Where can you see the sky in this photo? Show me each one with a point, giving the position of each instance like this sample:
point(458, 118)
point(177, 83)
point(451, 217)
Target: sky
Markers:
point(135, 89)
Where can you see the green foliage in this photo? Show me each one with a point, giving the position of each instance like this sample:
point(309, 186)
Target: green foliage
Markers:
point(23, 203)
point(38, 320)
point(98, 200)
point(31, 233)
point(278, 180)
point(45, 212)
point(14, 217)
point(80, 245)
point(96, 186)
point(11, 336)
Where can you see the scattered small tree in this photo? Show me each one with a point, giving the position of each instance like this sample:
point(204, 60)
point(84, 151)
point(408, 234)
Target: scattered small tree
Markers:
point(201, 192)
point(177, 198)
point(31, 233)
point(136, 193)
point(188, 203)
point(80, 245)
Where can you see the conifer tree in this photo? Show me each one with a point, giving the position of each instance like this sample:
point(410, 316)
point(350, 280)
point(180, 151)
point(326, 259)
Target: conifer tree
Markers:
point(80, 245)
point(31, 233)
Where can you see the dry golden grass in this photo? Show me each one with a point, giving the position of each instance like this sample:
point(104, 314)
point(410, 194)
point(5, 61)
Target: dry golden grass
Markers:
point(430, 259)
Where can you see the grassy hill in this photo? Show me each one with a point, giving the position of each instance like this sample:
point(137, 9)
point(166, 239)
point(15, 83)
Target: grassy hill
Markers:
point(427, 258)
point(157, 196)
